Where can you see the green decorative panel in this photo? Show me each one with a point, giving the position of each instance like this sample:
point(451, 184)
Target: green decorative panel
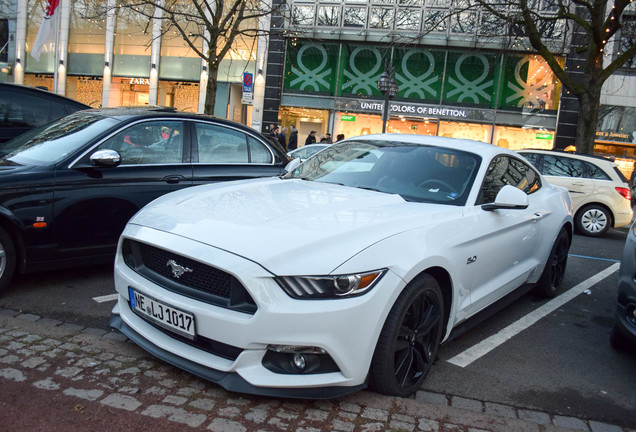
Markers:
point(471, 78)
point(311, 67)
point(361, 68)
point(418, 73)
point(527, 84)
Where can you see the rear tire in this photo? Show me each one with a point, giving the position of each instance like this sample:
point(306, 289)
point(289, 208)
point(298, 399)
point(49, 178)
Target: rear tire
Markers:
point(554, 271)
point(7, 259)
point(410, 338)
point(593, 220)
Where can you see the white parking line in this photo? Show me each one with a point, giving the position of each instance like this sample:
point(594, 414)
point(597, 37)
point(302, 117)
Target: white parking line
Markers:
point(106, 298)
point(484, 347)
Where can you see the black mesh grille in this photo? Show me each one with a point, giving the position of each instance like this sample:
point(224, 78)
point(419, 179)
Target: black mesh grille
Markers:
point(187, 276)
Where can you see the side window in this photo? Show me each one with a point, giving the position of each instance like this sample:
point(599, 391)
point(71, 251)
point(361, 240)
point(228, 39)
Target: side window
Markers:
point(152, 142)
point(562, 166)
point(258, 152)
point(531, 157)
point(505, 170)
point(594, 172)
point(221, 145)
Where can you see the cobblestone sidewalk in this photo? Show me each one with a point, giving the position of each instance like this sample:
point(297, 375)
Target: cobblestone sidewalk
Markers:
point(96, 366)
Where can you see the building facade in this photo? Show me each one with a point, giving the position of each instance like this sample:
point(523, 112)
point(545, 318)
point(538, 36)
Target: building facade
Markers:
point(111, 57)
point(457, 76)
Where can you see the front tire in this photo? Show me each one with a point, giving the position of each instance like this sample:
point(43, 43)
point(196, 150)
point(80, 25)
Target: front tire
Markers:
point(593, 220)
point(7, 259)
point(410, 338)
point(554, 271)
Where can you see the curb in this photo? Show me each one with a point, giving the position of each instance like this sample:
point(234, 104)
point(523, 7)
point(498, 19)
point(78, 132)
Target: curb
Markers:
point(103, 367)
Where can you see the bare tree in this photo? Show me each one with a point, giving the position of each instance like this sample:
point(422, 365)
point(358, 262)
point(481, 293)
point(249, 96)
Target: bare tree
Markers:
point(211, 28)
point(600, 36)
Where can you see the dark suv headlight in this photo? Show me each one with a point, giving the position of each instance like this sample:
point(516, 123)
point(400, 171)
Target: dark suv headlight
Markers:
point(329, 287)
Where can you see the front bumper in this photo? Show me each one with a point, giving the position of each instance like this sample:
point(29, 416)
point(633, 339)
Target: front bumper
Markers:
point(347, 329)
point(230, 381)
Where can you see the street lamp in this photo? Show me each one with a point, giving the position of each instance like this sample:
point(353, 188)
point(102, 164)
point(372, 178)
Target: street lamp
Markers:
point(389, 88)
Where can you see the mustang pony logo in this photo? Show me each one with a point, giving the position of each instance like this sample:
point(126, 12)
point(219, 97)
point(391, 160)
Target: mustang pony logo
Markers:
point(177, 269)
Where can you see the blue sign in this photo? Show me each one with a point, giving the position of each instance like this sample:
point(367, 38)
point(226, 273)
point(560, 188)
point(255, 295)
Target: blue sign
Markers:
point(248, 82)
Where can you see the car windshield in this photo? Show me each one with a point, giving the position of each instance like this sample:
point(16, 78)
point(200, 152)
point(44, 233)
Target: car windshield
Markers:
point(420, 173)
point(52, 142)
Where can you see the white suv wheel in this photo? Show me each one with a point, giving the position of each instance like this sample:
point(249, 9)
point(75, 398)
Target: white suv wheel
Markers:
point(593, 221)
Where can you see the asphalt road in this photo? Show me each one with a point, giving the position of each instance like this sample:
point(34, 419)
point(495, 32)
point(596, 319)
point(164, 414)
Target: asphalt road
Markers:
point(562, 364)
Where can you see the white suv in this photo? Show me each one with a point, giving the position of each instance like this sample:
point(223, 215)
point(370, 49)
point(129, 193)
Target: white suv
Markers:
point(600, 193)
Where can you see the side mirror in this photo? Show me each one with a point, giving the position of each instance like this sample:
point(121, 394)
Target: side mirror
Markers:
point(509, 197)
point(105, 158)
point(292, 165)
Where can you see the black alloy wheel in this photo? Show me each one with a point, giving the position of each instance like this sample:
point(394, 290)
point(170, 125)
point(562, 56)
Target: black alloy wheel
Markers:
point(554, 271)
point(410, 338)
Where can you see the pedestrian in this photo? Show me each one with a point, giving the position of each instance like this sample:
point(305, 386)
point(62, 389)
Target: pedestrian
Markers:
point(292, 144)
point(274, 130)
point(339, 137)
point(282, 138)
point(311, 138)
point(328, 138)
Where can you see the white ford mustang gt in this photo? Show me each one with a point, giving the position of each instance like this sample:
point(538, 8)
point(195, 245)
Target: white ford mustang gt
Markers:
point(347, 272)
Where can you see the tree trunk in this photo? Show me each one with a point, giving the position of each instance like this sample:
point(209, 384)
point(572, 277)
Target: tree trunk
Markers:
point(210, 92)
point(588, 119)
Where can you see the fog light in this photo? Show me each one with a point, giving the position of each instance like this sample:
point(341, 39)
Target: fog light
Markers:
point(299, 362)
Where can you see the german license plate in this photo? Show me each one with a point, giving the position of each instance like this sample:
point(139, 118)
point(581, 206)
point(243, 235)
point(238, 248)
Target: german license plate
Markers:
point(162, 314)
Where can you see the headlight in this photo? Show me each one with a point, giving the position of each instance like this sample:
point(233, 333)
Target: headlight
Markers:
point(322, 287)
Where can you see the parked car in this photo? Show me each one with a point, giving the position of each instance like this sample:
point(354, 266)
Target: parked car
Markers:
point(306, 151)
point(22, 108)
point(623, 334)
point(68, 188)
point(600, 193)
point(329, 279)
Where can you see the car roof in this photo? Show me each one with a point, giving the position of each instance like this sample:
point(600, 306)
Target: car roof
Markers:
point(467, 145)
point(570, 154)
point(40, 92)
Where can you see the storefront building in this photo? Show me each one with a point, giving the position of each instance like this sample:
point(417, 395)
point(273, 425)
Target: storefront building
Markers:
point(453, 80)
point(110, 58)
point(506, 99)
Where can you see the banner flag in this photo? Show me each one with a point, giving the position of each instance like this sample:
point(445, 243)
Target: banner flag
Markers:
point(46, 34)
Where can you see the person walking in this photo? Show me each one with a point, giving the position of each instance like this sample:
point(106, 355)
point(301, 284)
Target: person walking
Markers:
point(282, 138)
point(292, 144)
point(311, 138)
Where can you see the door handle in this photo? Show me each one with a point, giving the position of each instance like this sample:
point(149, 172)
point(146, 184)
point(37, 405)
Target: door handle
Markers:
point(173, 179)
point(538, 215)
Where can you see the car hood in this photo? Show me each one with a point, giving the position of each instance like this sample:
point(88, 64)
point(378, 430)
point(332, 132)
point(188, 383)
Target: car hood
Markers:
point(288, 226)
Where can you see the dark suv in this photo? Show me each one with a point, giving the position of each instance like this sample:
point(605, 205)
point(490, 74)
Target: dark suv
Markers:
point(22, 108)
point(68, 188)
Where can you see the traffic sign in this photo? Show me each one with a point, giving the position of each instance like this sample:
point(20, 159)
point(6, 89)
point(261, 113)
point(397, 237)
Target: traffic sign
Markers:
point(248, 82)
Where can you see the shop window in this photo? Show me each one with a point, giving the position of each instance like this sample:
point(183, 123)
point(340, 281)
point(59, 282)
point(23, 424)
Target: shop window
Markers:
point(381, 18)
point(435, 21)
point(4, 37)
point(464, 22)
point(354, 16)
point(470, 78)
point(361, 69)
point(528, 83)
point(328, 16)
point(303, 15)
point(311, 67)
point(418, 73)
point(408, 19)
